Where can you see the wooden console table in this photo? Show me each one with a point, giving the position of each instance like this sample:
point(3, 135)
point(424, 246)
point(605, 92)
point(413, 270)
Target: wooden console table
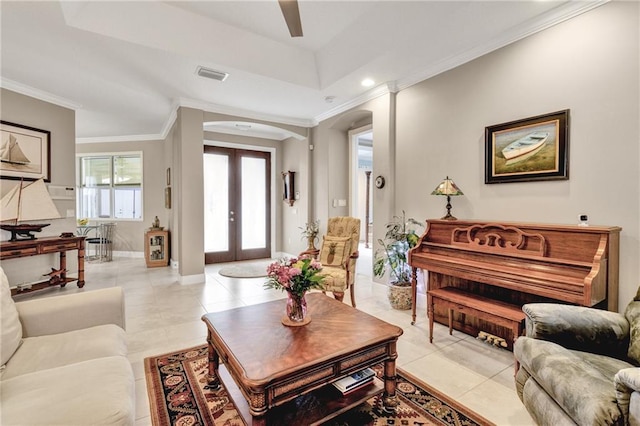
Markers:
point(46, 245)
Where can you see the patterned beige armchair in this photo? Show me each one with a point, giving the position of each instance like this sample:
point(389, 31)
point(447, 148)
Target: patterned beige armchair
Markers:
point(338, 255)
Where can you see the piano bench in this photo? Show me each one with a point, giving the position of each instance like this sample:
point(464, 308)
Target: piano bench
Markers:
point(495, 311)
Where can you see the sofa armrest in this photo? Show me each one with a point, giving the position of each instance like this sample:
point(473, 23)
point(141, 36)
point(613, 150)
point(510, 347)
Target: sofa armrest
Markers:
point(578, 327)
point(72, 312)
point(627, 381)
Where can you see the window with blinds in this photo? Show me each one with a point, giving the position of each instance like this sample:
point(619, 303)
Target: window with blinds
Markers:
point(110, 186)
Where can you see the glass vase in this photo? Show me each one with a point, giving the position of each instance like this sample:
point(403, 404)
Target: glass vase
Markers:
point(296, 310)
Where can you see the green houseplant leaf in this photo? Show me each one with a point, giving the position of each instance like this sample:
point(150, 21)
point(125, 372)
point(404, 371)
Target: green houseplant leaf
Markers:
point(401, 236)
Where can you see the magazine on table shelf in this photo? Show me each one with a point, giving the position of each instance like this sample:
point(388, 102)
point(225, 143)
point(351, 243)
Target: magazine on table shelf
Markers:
point(355, 380)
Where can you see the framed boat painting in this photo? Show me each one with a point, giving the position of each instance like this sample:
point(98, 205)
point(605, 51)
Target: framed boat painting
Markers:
point(25, 152)
point(531, 149)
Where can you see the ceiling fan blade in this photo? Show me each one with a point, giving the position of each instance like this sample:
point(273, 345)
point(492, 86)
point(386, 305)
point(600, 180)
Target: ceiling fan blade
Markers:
point(291, 15)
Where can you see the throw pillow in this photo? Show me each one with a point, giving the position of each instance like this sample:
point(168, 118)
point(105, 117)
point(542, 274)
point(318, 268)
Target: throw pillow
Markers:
point(335, 250)
point(9, 321)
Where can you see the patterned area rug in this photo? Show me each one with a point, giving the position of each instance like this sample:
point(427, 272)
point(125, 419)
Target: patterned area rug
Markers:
point(176, 385)
point(253, 269)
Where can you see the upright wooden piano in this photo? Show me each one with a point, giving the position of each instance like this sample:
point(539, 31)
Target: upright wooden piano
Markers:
point(518, 263)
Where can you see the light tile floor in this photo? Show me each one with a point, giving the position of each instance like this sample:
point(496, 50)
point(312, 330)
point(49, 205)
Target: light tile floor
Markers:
point(163, 315)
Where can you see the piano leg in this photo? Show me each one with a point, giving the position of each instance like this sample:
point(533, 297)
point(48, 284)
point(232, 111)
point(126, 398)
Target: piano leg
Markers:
point(431, 315)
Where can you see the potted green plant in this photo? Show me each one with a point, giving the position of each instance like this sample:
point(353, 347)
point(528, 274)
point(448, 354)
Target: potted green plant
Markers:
point(310, 233)
point(400, 237)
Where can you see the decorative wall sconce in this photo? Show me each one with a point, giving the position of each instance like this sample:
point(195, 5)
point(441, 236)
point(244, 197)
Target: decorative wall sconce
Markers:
point(289, 192)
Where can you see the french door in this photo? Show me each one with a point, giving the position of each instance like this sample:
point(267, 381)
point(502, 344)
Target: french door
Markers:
point(237, 207)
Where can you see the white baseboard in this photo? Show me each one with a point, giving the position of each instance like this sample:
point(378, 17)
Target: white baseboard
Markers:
point(192, 279)
point(136, 254)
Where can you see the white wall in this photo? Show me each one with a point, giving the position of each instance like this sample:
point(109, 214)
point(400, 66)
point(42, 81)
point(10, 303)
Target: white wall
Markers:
point(588, 65)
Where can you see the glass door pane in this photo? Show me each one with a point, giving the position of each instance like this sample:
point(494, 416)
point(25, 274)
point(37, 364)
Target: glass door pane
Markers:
point(216, 203)
point(253, 196)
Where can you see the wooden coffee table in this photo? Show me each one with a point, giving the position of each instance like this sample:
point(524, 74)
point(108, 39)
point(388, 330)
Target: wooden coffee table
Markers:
point(273, 366)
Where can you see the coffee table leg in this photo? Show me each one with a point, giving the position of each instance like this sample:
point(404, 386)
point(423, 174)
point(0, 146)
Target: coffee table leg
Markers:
point(389, 398)
point(214, 361)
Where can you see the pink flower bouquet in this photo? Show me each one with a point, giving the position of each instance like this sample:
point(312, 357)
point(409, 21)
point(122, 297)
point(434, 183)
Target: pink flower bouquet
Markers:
point(296, 275)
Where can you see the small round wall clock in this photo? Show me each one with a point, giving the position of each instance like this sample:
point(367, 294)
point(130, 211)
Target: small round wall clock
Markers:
point(379, 182)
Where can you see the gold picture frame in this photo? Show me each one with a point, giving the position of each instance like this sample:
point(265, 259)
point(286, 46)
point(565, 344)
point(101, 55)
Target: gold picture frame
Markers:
point(167, 197)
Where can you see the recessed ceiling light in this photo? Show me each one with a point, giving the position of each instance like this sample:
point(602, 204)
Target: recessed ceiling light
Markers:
point(367, 82)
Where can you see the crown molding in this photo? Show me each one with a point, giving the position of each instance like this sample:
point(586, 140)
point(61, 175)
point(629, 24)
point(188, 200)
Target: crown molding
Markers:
point(553, 17)
point(26, 90)
point(200, 105)
point(244, 113)
point(170, 121)
point(559, 14)
point(123, 138)
point(374, 93)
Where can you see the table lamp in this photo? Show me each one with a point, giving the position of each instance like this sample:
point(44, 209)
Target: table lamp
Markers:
point(447, 187)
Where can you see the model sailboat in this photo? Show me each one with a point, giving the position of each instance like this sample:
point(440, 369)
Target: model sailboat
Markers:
point(28, 202)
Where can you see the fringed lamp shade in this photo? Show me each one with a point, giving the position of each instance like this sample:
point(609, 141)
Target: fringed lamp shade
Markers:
point(449, 188)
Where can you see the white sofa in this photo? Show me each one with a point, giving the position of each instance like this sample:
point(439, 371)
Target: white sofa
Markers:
point(64, 360)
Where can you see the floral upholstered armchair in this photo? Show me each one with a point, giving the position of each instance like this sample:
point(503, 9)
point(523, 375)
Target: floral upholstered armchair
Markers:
point(580, 365)
point(338, 256)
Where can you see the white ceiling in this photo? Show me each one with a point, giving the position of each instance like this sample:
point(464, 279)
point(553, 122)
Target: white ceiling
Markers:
point(126, 66)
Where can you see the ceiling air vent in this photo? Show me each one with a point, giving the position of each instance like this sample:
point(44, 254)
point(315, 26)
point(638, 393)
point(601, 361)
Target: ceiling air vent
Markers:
point(209, 73)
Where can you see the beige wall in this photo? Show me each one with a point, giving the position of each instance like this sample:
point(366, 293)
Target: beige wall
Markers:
point(295, 157)
point(588, 65)
point(189, 190)
point(61, 122)
point(171, 214)
point(129, 234)
point(331, 162)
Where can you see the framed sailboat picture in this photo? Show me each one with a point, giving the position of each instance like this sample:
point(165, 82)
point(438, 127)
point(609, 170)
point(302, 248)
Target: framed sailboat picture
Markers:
point(25, 152)
point(531, 149)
